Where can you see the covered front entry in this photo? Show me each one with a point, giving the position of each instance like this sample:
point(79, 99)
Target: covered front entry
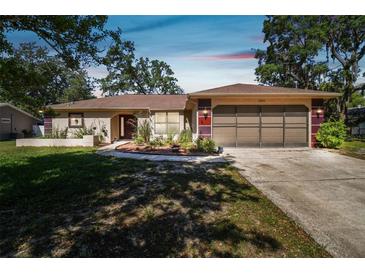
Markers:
point(260, 126)
point(127, 126)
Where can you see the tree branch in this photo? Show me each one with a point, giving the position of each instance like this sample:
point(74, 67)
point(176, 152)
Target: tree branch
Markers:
point(338, 56)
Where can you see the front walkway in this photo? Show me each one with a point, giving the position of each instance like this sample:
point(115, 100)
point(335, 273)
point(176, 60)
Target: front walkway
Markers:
point(112, 146)
point(322, 191)
point(110, 151)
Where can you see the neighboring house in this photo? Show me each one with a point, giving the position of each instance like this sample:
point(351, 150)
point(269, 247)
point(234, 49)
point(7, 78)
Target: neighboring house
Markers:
point(239, 115)
point(356, 121)
point(14, 122)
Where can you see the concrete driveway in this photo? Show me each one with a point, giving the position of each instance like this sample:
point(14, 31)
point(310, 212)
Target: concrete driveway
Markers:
point(322, 191)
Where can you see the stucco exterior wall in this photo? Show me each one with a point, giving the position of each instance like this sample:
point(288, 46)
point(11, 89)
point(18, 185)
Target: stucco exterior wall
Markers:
point(115, 128)
point(98, 119)
point(18, 122)
point(86, 141)
point(91, 119)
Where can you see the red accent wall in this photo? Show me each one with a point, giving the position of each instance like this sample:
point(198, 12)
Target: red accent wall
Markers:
point(317, 119)
point(204, 122)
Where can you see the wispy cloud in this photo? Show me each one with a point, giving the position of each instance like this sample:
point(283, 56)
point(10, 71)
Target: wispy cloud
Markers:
point(156, 25)
point(236, 56)
point(257, 38)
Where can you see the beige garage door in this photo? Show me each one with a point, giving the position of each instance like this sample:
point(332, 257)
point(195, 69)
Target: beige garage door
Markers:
point(260, 126)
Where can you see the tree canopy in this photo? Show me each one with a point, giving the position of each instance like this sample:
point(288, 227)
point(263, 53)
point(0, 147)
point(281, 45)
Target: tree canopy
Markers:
point(31, 79)
point(300, 50)
point(33, 76)
point(74, 38)
point(128, 74)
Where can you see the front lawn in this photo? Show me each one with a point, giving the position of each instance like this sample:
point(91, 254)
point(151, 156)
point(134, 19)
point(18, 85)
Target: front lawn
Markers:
point(353, 148)
point(70, 202)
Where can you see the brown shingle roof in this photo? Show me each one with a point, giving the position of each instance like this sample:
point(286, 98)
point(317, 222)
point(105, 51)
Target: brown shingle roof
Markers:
point(249, 89)
point(151, 102)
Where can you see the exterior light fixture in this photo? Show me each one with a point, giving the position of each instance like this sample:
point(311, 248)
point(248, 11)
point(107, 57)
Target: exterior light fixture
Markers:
point(319, 111)
point(205, 113)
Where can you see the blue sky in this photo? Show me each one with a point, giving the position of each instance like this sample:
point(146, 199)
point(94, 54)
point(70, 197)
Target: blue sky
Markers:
point(203, 51)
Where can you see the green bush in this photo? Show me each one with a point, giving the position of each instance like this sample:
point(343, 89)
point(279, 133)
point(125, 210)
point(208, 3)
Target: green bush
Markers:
point(157, 142)
point(188, 146)
point(57, 133)
point(331, 134)
point(138, 140)
point(205, 145)
point(144, 131)
point(185, 136)
point(170, 140)
point(80, 132)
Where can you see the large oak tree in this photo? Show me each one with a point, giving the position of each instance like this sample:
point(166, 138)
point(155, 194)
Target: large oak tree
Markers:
point(31, 79)
point(128, 74)
point(314, 52)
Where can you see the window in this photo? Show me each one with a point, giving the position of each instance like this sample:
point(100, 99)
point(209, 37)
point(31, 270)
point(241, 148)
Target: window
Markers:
point(75, 120)
point(167, 122)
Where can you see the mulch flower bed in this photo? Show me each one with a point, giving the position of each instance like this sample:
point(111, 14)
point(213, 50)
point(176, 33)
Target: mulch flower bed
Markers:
point(162, 150)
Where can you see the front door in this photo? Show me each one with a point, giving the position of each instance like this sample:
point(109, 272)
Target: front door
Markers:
point(127, 126)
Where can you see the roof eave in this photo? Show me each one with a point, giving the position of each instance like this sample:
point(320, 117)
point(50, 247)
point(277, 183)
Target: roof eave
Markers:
point(114, 109)
point(297, 95)
point(20, 110)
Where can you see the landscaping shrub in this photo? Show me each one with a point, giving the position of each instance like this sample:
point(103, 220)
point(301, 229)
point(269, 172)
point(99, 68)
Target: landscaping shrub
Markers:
point(138, 140)
point(331, 134)
point(157, 142)
point(188, 146)
point(205, 145)
point(170, 140)
point(80, 132)
point(185, 136)
point(144, 131)
point(57, 134)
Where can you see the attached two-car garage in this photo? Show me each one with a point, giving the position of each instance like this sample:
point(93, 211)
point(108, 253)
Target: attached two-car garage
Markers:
point(260, 125)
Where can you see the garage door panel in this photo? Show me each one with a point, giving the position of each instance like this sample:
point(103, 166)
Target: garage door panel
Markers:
point(268, 125)
point(301, 125)
point(224, 110)
point(224, 120)
point(225, 136)
point(270, 120)
point(273, 125)
point(272, 110)
point(248, 120)
point(296, 110)
point(289, 120)
point(248, 136)
point(271, 136)
point(295, 136)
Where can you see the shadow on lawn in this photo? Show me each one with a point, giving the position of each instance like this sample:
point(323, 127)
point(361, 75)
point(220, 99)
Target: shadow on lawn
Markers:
point(84, 205)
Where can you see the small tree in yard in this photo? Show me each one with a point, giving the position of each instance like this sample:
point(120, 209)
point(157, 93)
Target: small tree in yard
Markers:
point(331, 134)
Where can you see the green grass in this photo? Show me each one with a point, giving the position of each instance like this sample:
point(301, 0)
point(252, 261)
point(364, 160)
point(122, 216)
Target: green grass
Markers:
point(70, 202)
point(354, 148)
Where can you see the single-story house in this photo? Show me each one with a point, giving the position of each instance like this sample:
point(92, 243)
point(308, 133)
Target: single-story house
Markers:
point(239, 115)
point(14, 122)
